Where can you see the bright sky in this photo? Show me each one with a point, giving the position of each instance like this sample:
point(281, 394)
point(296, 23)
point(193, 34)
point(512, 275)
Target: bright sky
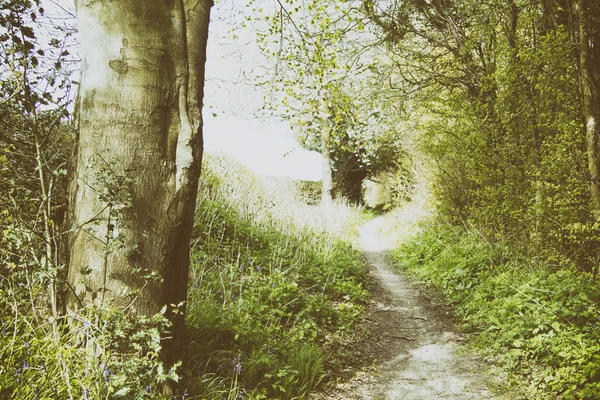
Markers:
point(267, 146)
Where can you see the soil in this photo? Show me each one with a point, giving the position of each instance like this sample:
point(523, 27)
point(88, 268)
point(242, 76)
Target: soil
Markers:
point(413, 350)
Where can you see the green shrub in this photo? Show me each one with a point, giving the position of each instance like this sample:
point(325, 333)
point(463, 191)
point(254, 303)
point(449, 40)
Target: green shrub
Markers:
point(269, 289)
point(538, 321)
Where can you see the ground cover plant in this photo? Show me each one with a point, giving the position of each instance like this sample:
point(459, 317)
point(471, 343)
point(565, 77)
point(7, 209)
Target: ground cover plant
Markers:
point(538, 321)
point(273, 303)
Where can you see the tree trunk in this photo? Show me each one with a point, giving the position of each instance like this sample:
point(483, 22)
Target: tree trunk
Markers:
point(589, 55)
point(138, 156)
point(327, 188)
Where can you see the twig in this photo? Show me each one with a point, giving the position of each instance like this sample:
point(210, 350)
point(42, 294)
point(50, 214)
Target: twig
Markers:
point(403, 337)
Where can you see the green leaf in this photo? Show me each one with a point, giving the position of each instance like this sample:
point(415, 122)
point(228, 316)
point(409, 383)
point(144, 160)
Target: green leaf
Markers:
point(122, 392)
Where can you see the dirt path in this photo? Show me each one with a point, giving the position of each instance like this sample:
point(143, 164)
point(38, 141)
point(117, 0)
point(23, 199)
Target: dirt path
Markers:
point(414, 348)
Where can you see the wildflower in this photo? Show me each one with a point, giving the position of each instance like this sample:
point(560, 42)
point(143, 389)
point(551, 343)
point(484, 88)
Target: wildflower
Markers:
point(237, 365)
point(86, 394)
point(25, 366)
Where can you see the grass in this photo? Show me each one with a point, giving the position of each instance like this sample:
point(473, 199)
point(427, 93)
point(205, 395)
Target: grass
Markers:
point(538, 322)
point(275, 294)
point(275, 291)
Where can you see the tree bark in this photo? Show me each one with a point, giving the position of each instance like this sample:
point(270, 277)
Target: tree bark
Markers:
point(138, 156)
point(589, 55)
point(327, 188)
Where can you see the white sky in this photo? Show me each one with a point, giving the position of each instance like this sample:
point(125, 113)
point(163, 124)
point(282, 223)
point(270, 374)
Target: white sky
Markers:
point(265, 145)
point(268, 148)
point(234, 65)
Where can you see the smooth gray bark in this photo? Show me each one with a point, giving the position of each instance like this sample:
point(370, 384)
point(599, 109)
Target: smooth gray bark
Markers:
point(327, 185)
point(138, 156)
point(590, 81)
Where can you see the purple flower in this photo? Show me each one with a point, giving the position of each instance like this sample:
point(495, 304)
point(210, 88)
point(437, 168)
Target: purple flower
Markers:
point(25, 366)
point(237, 365)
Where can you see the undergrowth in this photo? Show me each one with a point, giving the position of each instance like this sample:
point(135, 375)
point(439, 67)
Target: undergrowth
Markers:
point(274, 294)
point(540, 322)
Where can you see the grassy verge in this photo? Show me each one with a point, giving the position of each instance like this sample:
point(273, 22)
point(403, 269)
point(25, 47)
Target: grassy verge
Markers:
point(275, 293)
point(539, 322)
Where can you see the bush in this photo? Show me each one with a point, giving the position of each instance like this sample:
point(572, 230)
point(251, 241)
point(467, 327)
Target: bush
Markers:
point(538, 321)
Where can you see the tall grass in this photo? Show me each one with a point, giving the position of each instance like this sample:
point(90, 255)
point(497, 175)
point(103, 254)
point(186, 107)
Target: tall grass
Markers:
point(275, 292)
point(273, 201)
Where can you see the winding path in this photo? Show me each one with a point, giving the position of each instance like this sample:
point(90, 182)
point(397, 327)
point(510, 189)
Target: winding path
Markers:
point(419, 355)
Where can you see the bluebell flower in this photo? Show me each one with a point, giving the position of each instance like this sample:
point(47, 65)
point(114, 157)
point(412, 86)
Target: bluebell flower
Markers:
point(237, 365)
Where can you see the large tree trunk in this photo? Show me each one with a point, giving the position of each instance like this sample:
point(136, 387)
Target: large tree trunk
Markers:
point(589, 57)
point(138, 156)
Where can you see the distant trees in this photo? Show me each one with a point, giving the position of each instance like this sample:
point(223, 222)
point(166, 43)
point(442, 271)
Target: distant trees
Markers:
point(138, 157)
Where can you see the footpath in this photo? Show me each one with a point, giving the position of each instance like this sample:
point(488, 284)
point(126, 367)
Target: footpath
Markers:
point(416, 352)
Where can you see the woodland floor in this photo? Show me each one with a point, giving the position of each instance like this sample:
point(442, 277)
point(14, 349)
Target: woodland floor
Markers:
point(414, 351)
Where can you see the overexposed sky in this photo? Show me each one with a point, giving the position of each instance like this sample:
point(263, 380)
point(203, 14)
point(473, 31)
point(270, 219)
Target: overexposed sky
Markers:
point(234, 67)
point(264, 146)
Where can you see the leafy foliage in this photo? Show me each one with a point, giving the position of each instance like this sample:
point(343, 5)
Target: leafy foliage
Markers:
point(536, 320)
point(322, 84)
point(282, 300)
point(496, 100)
